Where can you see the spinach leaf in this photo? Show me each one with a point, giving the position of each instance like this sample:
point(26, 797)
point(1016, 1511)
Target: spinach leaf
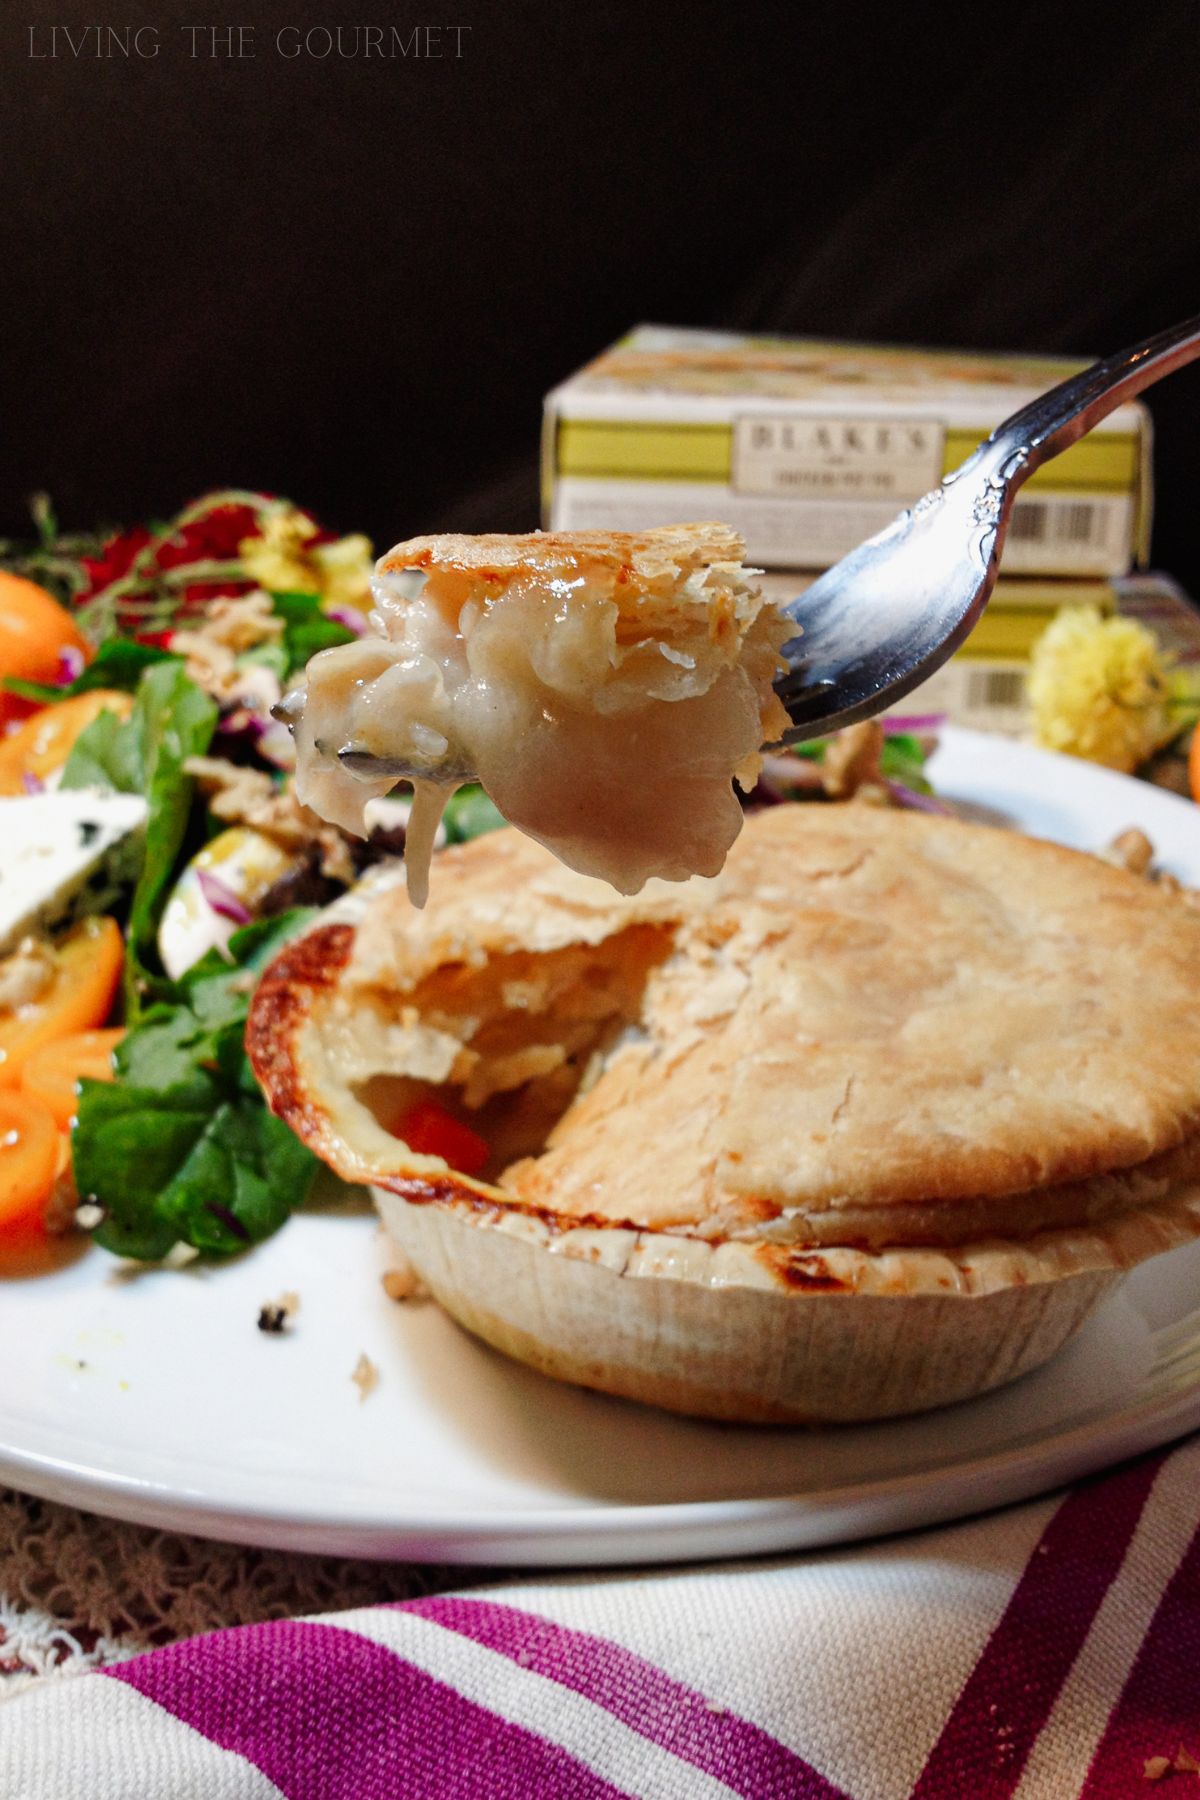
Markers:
point(470, 814)
point(181, 1147)
point(903, 760)
point(172, 719)
point(118, 663)
point(106, 754)
point(306, 628)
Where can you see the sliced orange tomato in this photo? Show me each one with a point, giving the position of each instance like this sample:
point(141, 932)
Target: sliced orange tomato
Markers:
point(52, 1070)
point(34, 632)
point(77, 997)
point(30, 1146)
point(1194, 764)
point(430, 1130)
point(41, 746)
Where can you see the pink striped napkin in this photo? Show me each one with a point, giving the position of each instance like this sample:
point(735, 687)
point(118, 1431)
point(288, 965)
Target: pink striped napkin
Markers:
point(1044, 1653)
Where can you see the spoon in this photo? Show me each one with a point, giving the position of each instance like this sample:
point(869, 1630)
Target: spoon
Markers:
point(884, 618)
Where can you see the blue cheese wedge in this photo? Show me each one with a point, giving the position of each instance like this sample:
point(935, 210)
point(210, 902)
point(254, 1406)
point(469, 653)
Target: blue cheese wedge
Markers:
point(63, 854)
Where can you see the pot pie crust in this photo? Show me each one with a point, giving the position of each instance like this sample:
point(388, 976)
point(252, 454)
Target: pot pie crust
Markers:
point(868, 1122)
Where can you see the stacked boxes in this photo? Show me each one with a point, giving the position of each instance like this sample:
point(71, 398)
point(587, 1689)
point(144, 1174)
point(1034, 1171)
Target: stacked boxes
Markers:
point(806, 447)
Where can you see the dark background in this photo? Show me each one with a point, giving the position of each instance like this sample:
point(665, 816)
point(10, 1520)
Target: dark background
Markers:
point(351, 281)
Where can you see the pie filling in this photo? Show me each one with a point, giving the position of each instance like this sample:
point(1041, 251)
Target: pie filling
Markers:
point(607, 713)
point(480, 1060)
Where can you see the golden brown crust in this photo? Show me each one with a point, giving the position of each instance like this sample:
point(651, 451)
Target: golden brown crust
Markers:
point(961, 1271)
point(294, 983)
point(678, 549)
point(866, 1011)
point(1021, 1237)
point(475, 916)
point(874, 1030)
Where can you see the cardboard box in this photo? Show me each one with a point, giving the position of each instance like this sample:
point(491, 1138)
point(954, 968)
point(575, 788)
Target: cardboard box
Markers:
point(808, 446)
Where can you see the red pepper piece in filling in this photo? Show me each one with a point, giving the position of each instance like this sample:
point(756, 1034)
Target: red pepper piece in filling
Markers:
point(431, 1131)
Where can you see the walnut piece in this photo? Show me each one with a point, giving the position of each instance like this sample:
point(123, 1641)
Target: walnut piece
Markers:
point(852, 760)
point(1130, 850)
point(228, 629)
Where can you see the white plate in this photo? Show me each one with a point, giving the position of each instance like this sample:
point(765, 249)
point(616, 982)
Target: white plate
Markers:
point(151, 1394)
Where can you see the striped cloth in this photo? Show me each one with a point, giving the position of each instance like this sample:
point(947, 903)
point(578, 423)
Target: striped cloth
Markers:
point(1047, 1652)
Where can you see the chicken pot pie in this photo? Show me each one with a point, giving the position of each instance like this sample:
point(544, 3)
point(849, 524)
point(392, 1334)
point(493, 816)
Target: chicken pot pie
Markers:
point(605, 687)
point(868, 1123)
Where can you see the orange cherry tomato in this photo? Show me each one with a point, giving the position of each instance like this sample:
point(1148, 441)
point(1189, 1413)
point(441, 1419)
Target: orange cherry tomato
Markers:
point(1194, 764)
point(51, 1071)
point(30, 1145)
point(430, 1130)
point(34, 631)
point(77, 997)
point(41, 745)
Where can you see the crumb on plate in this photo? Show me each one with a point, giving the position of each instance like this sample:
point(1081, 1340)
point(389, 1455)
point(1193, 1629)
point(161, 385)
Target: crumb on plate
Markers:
point(273, 1315)
point(365, 1375)
point(401, 1281)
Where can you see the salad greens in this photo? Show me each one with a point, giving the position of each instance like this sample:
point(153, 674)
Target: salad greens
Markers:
point(180, 1148)
point(470, 814)
point(172, 719)
point(119, 663)
point(903, 760)
point(307, 628)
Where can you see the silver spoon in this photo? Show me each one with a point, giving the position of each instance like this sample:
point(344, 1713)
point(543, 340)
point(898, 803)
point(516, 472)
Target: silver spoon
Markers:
point(884, 618)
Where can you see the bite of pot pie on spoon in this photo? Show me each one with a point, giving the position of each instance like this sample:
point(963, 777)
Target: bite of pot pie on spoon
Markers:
point(606, 688)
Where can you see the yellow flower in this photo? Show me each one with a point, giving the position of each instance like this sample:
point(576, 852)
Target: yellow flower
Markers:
point(1099, 688)
point(283, 559)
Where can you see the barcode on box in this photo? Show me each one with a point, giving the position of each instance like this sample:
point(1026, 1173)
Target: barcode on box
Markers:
point(991, 688)
point(987, 695)
point(1059, 522)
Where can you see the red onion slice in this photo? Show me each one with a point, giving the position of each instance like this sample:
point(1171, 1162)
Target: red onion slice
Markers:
point(222, 898)
point(903, 795)
point(912, 723)
point(350, 617)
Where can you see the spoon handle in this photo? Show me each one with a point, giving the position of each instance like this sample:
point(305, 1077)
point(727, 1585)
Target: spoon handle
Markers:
point(1057, 418)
